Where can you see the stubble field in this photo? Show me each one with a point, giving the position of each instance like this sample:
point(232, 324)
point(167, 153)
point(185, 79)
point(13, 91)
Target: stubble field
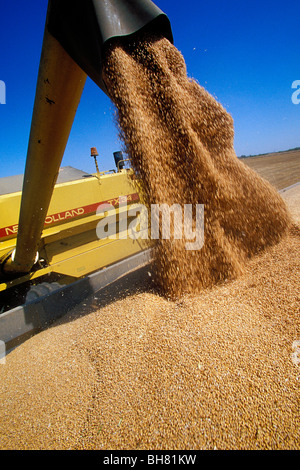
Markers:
point(281, 169)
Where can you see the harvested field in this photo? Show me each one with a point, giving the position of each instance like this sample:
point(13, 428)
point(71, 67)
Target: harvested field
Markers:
point(132, 370)
point(281, 169)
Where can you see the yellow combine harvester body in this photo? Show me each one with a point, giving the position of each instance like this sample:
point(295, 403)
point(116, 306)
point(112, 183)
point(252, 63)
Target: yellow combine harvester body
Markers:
point(69, 246)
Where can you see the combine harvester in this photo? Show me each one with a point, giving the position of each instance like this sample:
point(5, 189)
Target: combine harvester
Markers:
point(50, 255)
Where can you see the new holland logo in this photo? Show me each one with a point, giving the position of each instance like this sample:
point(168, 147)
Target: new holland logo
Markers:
point(52, 219)
point(70, 214)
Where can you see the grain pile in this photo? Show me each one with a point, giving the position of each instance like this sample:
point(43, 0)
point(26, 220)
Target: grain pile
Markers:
point(140, 372)
point(180, 142)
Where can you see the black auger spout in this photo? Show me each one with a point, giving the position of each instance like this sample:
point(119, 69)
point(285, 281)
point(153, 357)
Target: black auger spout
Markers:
point(85, 28)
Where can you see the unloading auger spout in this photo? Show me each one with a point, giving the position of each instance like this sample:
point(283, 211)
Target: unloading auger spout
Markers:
point(77, 34)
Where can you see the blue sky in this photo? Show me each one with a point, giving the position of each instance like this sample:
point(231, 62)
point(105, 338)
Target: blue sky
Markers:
point(246, 54)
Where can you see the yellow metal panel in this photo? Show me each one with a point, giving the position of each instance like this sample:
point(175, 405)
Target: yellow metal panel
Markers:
point(90, 190)
point(97, 258)
point(69, 241)
point(67, 197)
point(9, 214)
